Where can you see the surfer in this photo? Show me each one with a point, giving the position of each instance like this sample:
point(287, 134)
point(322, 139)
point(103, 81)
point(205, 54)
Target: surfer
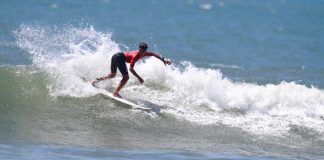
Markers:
point(119, 60)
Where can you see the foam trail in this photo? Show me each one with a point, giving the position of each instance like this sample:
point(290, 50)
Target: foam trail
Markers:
point(202, 96)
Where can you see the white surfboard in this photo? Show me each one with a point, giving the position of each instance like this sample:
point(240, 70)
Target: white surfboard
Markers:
point(121, 100)
point(124, 101)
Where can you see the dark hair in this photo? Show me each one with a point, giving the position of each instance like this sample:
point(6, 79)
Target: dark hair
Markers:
point(143, 46)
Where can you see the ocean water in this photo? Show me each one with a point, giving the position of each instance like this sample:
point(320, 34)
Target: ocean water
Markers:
point(247, 79)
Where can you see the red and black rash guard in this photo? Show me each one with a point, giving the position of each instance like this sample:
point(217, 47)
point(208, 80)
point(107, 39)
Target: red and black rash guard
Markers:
point(133, 56)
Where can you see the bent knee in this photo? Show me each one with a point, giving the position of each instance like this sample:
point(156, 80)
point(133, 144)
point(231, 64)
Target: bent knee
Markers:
point(112, 75)
point(125, 78)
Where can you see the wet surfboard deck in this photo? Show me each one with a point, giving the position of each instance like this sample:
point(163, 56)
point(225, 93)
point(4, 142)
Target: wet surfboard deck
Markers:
point(121, 100)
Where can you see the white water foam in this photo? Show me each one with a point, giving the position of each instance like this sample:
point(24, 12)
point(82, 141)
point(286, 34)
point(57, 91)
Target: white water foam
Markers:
point(202, 96)
point(68, 54)
point(206, 97)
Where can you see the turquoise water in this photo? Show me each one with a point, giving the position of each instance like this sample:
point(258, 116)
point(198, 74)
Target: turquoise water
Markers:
point(246, 80)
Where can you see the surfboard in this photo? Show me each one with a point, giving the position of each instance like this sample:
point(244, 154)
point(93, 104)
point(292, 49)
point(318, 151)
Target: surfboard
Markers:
point(121, 100)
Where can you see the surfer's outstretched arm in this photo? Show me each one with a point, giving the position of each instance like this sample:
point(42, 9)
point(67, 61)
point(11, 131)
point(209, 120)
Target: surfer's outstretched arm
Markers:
point(164, 60)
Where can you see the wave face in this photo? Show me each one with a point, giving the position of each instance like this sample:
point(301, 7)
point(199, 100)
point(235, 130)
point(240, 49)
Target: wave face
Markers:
point(199, 95)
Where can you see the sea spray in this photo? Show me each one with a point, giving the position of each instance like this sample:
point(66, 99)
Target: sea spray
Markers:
point(68, 54)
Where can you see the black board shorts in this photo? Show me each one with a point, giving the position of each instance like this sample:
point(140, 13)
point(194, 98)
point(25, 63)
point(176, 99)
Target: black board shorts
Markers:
point(118, 61)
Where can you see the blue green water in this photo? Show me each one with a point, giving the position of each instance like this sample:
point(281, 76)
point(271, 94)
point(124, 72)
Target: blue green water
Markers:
point(246, 82)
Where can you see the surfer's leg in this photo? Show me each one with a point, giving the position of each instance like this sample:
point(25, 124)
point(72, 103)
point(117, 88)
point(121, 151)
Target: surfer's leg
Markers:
point(113, 66)
point(120, 86)
point(121, 64)
point(113, 70)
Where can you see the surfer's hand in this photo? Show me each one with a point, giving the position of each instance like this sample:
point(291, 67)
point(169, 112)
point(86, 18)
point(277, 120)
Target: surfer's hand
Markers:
point(141, 80)
point(167, 62)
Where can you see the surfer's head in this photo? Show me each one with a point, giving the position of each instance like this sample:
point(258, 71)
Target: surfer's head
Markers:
point(142, 47)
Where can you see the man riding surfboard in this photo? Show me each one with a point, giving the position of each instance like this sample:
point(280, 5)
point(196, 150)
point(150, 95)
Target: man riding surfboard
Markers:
point(119, 60)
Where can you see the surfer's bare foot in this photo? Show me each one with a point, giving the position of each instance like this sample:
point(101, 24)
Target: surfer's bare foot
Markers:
point(94, 83)
point(115, 94)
